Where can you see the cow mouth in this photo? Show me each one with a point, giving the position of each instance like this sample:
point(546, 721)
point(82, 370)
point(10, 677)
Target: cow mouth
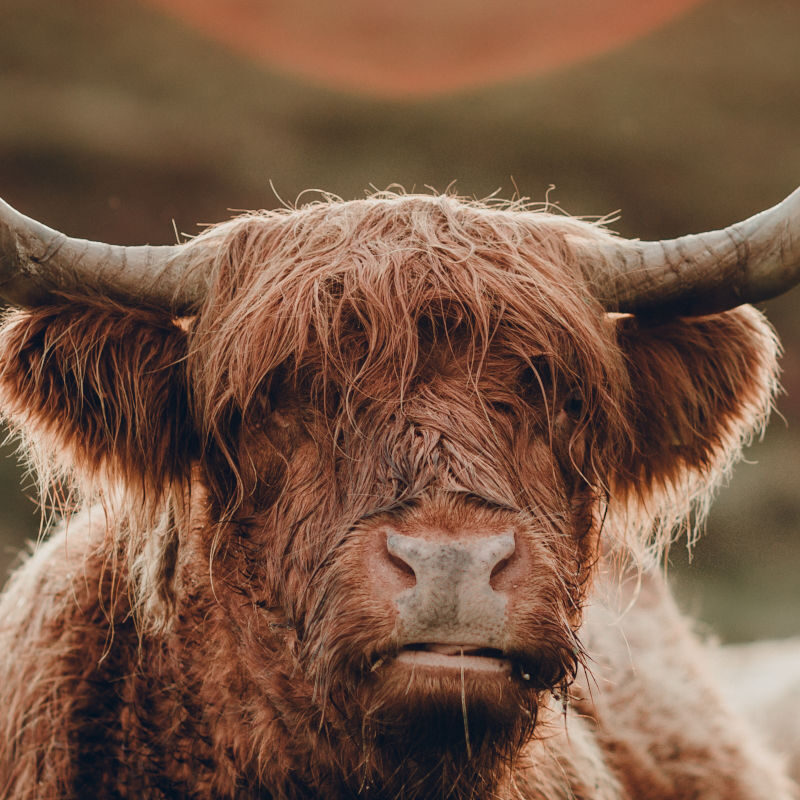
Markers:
point(455, 657)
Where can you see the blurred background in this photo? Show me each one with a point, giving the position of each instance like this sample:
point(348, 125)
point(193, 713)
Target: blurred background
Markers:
point(124, 121)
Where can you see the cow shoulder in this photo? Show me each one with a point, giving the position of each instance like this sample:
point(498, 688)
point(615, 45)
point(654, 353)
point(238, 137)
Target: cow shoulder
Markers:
point(85, 699)
point(658, 713)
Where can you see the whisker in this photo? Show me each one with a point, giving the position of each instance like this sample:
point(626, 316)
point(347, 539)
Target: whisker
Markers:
point(464, 707)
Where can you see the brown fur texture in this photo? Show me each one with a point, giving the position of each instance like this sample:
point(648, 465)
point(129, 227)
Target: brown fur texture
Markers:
point(212, 625)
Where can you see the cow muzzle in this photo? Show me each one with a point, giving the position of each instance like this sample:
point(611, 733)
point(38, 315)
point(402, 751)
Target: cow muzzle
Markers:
point(452, 617)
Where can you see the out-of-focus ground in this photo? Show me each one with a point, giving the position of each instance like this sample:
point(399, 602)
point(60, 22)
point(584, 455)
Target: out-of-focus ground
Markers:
point(115, 121)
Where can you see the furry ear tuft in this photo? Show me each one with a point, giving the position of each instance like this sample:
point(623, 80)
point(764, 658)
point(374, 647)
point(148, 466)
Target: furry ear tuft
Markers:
point(700, 389)
point(99, 395)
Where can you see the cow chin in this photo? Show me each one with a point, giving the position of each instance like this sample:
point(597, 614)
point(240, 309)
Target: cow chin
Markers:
point(446, 734)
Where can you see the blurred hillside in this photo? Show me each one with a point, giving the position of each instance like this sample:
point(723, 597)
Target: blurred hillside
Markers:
point(116, 121)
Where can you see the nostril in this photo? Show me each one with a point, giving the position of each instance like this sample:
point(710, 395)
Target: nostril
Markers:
point(500, 574)
point(399, 553)
point(499, 567)
point(402, 567)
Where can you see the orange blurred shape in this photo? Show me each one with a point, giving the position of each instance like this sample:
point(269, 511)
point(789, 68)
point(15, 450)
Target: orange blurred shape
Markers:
point(421, 47)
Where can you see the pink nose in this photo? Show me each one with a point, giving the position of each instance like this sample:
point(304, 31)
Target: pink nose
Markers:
point(452, 601)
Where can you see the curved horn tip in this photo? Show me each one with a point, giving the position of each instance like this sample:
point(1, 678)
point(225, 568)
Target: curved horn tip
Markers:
point(706, 273)
point(37, 262)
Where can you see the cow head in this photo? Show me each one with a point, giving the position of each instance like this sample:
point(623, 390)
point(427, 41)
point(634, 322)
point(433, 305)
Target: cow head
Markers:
point(379, 447)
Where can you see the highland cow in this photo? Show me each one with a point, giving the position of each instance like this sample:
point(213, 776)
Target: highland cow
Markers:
point(372, 494)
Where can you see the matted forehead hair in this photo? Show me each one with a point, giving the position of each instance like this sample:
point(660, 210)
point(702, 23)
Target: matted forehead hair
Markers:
point(356, 289)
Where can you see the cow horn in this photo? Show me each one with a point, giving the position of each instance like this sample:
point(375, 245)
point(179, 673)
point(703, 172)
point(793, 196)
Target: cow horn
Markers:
point(705, 273)
point(37, 263)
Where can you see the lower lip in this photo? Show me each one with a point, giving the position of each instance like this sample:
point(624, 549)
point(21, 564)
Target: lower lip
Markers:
point(458, 662)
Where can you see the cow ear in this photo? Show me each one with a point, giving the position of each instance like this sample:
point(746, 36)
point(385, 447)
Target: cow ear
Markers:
point(699, 388)
point(99, 391)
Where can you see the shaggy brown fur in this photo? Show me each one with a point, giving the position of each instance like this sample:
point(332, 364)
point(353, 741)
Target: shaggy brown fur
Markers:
point(215, 629)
